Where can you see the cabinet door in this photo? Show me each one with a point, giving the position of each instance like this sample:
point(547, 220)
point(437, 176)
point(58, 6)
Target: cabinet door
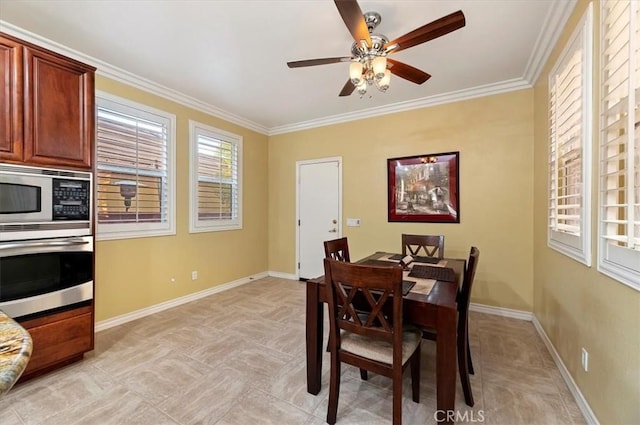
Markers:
point(59, 338)
point(59, 110)
point(10, 100)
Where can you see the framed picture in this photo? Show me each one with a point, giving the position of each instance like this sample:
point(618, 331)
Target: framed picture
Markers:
point(424, 188)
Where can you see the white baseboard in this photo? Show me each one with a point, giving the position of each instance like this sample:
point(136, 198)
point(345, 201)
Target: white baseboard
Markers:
point(501, 311)
point(584, 407)
point(281, 275)
point(128, 317)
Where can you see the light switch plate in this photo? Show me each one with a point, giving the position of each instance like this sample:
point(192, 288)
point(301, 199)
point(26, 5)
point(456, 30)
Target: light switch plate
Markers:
point(353, 222)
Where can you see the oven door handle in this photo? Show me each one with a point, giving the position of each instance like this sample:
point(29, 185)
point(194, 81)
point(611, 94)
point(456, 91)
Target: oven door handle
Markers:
point(27, 244)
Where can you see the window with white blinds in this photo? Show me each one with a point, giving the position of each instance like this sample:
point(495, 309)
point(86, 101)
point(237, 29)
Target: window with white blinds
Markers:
point(216, 188)
point(619, 201)
point(134, 161)
point(570, 146)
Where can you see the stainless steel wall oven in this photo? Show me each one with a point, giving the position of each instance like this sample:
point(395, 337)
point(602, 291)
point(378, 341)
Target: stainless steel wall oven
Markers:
point(46, 241)
point(42, 275)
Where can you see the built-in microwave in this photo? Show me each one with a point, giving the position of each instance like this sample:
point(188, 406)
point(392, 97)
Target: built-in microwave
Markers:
point(38, 203)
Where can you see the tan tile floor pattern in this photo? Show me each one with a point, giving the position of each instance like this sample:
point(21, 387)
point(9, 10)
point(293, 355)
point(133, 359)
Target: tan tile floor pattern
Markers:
point(237, 358)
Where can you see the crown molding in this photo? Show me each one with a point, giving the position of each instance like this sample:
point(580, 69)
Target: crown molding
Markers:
point(557, 15)
point(456, 96)
point(556, 19)
point(106, 70)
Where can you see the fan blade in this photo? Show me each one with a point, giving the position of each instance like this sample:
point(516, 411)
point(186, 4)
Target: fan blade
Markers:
point(427, 32)
point(354, 20)
point(407, 72)
point(314, 62)
point(348, 88)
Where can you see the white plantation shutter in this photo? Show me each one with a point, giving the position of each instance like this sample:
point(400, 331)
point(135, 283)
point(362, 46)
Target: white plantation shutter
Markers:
point(619, 230)
point(216, 191)
point(134, 147)
point(570, 146)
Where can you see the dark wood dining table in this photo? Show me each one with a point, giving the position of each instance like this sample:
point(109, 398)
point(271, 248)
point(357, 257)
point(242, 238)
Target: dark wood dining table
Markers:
point(437, 310)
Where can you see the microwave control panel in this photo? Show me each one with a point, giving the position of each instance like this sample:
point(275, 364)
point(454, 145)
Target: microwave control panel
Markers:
point(71, 199)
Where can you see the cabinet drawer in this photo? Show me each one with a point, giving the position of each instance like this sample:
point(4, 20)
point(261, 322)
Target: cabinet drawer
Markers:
point(59, 340)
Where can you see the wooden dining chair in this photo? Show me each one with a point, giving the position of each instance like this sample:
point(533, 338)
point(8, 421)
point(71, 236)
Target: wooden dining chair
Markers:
point(465, 365)
point(431, 245)
point(379, 344)
point(337, 249)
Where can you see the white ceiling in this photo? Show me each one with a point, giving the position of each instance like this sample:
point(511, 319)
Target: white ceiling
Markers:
point(229, 57)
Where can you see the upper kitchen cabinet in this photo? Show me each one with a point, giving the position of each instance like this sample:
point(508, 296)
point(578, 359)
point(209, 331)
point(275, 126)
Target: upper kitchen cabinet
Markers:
point(11, 100)
point(54, 98)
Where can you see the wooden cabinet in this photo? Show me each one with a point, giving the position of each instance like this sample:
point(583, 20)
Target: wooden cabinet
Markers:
point(58, 339)
point(47, 107)
point(47, 118)
point(11, 100)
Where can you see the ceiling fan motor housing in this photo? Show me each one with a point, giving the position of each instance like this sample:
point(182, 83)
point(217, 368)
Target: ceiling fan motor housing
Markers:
point(376, 49)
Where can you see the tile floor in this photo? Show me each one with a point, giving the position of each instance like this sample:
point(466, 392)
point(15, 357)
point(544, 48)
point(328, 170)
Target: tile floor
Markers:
point(237, 357)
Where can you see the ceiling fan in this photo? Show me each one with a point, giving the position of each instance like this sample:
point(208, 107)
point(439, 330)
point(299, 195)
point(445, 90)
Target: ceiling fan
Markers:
point(369, 62)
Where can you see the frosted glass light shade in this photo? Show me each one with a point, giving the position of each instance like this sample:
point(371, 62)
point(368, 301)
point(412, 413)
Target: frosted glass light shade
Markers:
point(379, 65)
point(355, 72)
point(362, 87)
point(383, 84)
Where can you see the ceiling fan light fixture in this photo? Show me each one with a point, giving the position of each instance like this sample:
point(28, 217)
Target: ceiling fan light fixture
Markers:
point(369, 64)
point(383, 83)
point(379, 65)
point(362, 87)
point(355, 72)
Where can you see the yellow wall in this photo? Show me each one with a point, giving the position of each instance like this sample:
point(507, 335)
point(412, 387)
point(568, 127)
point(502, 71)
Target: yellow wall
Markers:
point(576, 305)
point(494, 137)
point(135, 273)
point(502, 141)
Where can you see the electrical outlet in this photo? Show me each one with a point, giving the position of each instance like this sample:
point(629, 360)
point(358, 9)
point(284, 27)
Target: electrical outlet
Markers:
point(585, 360)
point(194, 275)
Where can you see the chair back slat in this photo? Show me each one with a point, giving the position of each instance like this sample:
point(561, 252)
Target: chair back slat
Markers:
point(337, 249)
point(430, 245)
point(464, 296)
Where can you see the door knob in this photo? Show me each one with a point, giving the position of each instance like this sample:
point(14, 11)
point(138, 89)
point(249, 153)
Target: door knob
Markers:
point(334, 221)
point(334, 230)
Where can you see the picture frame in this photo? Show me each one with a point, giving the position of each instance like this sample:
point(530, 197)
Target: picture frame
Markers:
point(424, 188)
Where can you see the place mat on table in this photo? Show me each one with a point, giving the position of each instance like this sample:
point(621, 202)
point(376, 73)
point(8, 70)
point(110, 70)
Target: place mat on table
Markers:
point(387, 259)
point(407, 285)
point(395, 258)
point(379, 263)
point(445, 274)
point(416, 259)
point(423, 286)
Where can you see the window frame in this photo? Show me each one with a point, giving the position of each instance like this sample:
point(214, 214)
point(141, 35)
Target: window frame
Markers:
point(112, 231)
point(197, 225)
point(618, 262)
point(577, 247)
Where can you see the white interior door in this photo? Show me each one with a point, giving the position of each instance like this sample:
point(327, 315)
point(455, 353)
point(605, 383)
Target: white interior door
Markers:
point(319, 212)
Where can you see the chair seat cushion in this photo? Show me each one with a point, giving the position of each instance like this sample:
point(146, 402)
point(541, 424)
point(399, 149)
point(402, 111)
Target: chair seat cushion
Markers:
point(381, 351)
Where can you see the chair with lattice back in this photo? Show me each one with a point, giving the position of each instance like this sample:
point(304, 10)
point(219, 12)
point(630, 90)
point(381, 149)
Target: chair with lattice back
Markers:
point(337, 249)
point(379, 342)
point(425, 245)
